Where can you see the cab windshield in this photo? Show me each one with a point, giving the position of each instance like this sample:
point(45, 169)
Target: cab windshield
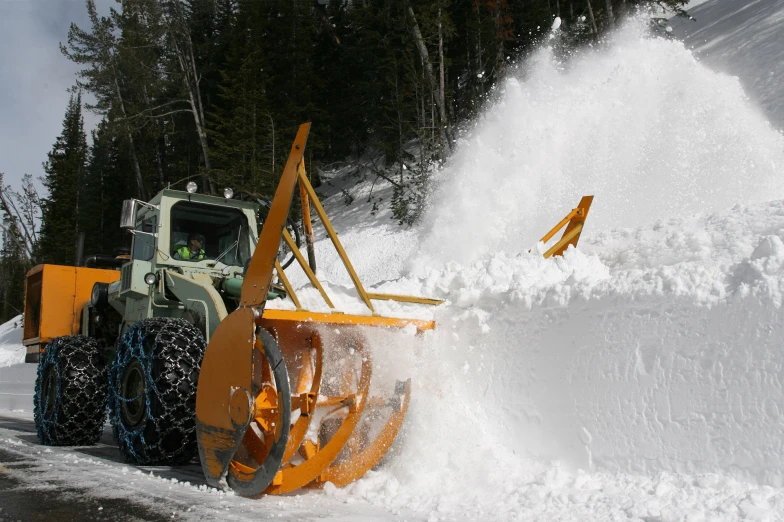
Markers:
point(200, 232)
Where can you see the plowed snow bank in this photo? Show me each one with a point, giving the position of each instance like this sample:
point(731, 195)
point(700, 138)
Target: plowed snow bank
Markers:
point(11, 349)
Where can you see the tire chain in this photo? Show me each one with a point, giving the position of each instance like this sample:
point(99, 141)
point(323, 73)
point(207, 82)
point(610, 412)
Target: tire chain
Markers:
point(80, 394)
point(170, 352)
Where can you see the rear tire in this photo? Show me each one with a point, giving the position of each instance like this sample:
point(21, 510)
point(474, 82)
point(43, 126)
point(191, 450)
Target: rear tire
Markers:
point(153, 391)
point(70, 392)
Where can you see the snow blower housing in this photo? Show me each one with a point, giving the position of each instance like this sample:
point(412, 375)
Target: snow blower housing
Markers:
point(180, 345)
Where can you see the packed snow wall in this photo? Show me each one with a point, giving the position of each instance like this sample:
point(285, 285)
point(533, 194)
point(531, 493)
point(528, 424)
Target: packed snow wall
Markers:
point(16, 377)
point(602, 376)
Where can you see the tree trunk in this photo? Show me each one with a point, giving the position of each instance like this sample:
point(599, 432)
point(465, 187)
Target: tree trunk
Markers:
point(499, 37)
point(442, 74)
point(158, 159)
point(420, 42)
point(190, 79)
point(136, 168)
point(479, 64)
point(610, 19)
point(590, 16)
point(272, 130)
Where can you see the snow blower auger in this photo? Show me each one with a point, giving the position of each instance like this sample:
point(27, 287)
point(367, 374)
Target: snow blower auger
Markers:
point(258, 432)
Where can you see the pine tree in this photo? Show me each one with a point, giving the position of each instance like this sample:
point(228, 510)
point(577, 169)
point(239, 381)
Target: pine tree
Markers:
point(102, 76)
point(20, 213)
point(104, 186)
point(60, 212)
point(243, 123)
point(13, 267)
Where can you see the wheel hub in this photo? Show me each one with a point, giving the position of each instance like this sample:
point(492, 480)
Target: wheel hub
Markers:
point(132, 395)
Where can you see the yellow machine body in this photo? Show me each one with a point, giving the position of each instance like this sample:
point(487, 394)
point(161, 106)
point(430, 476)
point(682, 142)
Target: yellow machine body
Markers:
point(54, 299)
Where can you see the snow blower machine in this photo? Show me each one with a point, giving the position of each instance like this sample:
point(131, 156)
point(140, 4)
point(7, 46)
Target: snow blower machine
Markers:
point(176, 339)
point(269, 420)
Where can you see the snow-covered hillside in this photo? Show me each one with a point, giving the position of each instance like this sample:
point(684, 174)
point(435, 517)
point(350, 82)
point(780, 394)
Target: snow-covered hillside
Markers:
point(639, 377)
point(742, 38)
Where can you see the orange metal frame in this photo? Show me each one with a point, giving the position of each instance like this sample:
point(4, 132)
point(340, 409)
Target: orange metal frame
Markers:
point(239, 405)
point(54, 299)
point(574, 222)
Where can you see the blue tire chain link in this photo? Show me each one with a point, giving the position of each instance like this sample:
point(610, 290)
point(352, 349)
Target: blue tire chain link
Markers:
point(170, 352)
point(79, 406)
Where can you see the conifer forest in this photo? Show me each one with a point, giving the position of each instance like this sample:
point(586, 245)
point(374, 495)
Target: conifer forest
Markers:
point(213, 91)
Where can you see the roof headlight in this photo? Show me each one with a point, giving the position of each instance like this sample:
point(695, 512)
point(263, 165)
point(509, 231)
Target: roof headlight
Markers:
point(191, 187)
point(228, 193)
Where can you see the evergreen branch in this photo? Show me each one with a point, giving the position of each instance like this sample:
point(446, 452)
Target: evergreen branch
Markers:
point(158, 116)
point(151, 109)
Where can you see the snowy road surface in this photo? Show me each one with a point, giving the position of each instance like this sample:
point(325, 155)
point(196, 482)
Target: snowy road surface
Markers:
point(93, 483)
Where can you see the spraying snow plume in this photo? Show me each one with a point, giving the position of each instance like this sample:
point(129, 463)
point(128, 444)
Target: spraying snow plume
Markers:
point(600, 362)
point(640, 124)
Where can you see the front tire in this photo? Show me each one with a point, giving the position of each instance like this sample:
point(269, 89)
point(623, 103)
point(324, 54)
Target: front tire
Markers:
point(70, 392)
point(153, 391)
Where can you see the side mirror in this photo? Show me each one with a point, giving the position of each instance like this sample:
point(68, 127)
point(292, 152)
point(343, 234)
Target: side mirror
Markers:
point(128, 216)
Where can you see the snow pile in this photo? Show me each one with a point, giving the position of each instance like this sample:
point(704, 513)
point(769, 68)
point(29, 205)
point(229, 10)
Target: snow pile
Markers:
point(11, 349)
point(671, 364)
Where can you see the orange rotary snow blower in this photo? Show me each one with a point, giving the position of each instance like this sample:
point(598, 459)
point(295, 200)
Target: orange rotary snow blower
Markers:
point(284, 398)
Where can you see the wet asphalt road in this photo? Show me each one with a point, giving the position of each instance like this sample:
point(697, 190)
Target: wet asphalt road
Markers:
point(20, 500)
point(27, 493)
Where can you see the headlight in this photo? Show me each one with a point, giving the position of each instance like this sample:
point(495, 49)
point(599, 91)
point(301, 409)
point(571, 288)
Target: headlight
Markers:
point(191, 187)
point(99, 296)
point(228, 193)
point(150, 278)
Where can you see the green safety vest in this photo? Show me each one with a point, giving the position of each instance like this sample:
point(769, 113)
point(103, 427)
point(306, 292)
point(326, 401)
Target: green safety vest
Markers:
point(185, 253)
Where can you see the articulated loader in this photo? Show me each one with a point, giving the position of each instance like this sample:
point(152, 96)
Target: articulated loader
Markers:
point(188, 358)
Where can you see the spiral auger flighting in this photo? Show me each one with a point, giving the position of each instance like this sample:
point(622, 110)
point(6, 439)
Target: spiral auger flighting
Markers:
point(270, 418)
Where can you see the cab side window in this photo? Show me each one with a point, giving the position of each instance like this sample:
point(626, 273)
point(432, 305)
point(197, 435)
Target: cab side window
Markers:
point(144, 240)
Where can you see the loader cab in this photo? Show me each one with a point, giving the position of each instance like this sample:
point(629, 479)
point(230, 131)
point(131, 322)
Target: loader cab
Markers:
point(226, 229)
point(223, 233)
